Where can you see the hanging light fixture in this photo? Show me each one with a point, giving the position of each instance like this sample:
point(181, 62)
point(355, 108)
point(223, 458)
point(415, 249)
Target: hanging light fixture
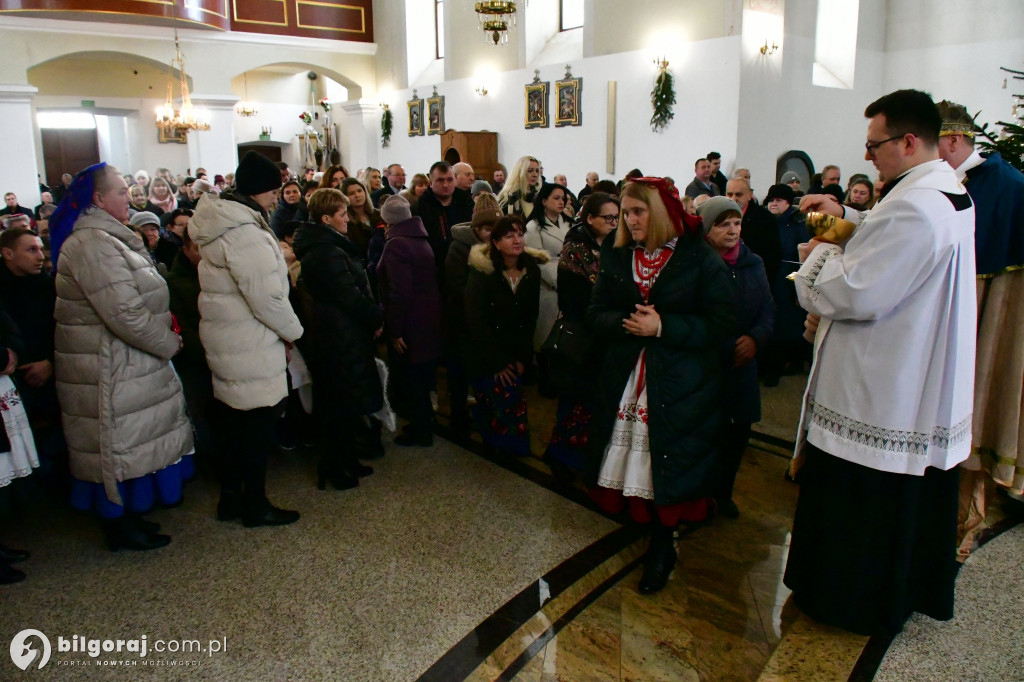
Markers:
point(187, 118)
point(245, 108)
point(495, 18)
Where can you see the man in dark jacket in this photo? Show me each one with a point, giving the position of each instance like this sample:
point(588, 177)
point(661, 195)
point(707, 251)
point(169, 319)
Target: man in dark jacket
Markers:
point(440, 208)
point(759, 231)
point(717, 176)
point(29, 297)
point(12, 206)
point(394, 182)
point(702, 181)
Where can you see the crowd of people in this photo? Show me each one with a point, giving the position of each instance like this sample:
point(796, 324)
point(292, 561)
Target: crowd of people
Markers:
point(184, 318)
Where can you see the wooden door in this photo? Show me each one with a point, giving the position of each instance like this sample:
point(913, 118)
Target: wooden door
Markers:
point(68, 151)
point(270, 151)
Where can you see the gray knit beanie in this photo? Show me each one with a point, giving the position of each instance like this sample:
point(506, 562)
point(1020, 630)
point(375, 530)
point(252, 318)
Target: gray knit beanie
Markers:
point(395, 209)
point(714, 207)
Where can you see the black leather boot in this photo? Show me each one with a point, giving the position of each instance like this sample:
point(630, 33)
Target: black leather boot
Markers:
point(660, 559)
point(229, 507)
point(270, 516)
point(127, 533)
point(10, 575)
point(12, 556)
point(328, 470)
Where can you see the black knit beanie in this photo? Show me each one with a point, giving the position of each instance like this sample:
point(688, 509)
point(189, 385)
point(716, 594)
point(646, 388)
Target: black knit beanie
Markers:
point(256, 174)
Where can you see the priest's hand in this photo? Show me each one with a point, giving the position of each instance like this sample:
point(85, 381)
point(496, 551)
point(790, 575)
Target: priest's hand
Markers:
point(811, 326)
point(822, 203)
point(804, 250)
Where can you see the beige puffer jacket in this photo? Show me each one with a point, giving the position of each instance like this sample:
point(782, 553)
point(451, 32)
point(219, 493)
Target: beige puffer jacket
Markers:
point(245, 315)
point(122, 404)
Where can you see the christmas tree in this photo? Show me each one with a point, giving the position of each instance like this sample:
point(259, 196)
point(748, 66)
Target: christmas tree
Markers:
point(1010, 142)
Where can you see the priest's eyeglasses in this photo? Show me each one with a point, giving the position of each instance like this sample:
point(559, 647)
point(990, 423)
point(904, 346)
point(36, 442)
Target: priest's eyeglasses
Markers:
point(872, 147)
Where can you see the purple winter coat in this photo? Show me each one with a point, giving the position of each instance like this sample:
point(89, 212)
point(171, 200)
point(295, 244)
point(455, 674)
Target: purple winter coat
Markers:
point(409, 291)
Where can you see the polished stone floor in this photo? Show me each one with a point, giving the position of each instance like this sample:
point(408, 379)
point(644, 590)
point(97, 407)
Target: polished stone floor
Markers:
point(371, 584)
point(449, 564)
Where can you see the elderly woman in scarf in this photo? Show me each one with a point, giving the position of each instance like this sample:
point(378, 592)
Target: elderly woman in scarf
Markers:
point(122, 404)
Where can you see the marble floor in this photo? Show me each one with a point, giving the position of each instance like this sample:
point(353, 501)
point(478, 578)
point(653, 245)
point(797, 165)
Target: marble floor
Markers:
point(447, 563)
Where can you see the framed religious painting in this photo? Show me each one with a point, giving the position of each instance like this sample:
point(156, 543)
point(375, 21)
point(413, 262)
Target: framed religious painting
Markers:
point(435, 114)
point(415, 115)
point(567, 101)
point(537, 103)
point(171, 136)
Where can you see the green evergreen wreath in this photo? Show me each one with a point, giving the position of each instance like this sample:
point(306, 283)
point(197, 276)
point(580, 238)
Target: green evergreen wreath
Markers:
point(386, 121)
point(662, 97)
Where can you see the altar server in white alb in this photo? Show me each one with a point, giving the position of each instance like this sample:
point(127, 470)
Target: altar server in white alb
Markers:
point(887, 412)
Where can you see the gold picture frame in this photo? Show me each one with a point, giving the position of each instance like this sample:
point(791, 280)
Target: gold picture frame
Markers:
point(537, 104)
point(171, 136)
point(568, 104)
point(435, 114)
point(415, 106)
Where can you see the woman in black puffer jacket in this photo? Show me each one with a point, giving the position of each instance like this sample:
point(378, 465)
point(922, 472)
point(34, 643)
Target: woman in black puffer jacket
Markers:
point(343, 321)
point(663, 304)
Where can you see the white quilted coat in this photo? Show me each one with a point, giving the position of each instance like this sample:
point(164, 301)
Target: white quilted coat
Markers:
point(122, 404)
point(245, 315)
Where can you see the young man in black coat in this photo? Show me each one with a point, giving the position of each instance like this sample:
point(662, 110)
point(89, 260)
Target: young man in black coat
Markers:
point(440, 208)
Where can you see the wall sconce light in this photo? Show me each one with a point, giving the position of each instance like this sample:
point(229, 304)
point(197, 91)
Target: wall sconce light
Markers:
point(481, 90)
point(767, 51)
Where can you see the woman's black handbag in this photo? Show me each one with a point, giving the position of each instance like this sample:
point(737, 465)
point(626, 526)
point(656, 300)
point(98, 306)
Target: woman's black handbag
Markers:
point(569, 343)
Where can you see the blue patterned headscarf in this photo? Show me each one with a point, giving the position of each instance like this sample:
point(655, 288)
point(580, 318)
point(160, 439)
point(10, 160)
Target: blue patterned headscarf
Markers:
point(74, 204)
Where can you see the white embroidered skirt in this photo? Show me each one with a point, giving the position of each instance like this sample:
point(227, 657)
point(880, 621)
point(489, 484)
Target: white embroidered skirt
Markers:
point(627, 458)
point(19, 461)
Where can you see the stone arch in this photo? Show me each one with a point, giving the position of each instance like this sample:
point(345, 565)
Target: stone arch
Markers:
point(355, 90)
point(93, 69)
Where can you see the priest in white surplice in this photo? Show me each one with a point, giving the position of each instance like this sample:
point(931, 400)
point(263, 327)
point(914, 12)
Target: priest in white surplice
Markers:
point(887, 411)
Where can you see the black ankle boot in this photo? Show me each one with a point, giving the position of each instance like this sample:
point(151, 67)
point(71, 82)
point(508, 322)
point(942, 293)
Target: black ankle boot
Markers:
point(12, 556)
point(659, 561)
point(229, 507)
point(358, 470)
point(10, 575)
point(127, 533)
point(328, 471)
point(270, 516)
point(410, 436)
point(146, 526)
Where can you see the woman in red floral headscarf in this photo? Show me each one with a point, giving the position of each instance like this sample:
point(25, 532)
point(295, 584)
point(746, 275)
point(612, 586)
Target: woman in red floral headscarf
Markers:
point(663, 303)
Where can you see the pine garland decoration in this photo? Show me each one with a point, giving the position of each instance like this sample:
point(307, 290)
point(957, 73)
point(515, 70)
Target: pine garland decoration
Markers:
point(1010, 143)
point(386, 121)
point(662, 98)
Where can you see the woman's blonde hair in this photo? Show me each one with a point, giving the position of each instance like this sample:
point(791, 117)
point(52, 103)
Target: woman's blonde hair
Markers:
point(660, 230)
point(516, 180)
point(325, 202)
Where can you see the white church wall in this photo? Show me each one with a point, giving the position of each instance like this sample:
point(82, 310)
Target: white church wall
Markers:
point(701, 122)
point(954, 50)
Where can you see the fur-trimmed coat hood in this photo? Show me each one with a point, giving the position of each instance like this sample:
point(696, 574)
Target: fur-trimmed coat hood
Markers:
point(480, 257)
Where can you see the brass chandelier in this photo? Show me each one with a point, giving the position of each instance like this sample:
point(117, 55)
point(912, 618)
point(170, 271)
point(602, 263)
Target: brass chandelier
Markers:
point(186, 119)
point(495, 18)
point(246, 108)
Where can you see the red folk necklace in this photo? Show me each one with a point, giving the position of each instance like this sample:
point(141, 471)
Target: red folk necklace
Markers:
point(647, 267)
